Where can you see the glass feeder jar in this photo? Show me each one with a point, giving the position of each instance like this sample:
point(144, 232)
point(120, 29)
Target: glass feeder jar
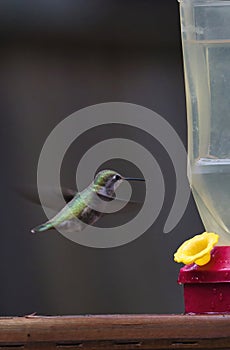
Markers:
point(205, 29)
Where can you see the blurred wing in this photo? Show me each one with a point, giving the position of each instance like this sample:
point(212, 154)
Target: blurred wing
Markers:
point(128, 212)
point(51, 195)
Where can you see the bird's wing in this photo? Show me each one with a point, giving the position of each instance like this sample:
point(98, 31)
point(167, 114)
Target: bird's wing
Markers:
point(53, 198)
point(51, 195)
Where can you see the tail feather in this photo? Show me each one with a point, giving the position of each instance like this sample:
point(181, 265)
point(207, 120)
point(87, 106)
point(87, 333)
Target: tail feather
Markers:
point(42, 228)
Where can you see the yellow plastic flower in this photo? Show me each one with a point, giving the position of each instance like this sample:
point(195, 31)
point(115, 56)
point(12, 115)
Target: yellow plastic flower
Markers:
point(197, 249)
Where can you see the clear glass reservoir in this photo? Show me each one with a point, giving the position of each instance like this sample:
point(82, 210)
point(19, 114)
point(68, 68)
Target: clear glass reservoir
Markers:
point(205, 28)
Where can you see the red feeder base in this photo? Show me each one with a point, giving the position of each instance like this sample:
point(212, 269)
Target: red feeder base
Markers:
point(207, 288)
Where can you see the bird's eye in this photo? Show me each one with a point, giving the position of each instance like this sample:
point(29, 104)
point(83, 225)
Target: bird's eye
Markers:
point(117, 177)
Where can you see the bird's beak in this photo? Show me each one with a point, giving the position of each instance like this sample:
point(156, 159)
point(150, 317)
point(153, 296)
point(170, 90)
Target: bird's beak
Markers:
point(133, 179)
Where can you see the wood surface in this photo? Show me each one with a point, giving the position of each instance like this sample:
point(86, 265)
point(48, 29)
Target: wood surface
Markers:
point(116, 332)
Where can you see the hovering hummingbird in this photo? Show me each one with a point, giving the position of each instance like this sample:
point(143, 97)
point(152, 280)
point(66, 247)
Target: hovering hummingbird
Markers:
point(86, 207)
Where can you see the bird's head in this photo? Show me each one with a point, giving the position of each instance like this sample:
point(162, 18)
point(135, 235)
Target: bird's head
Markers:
point(107, 181)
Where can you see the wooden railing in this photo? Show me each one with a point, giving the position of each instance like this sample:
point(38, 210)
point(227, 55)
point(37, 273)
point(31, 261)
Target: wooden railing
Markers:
point(116, 332)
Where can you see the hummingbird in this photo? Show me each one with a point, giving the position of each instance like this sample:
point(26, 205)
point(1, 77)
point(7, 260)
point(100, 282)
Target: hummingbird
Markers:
point(86, 207)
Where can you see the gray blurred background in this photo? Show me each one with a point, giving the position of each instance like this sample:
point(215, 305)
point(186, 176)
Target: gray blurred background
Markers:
point(57, 57)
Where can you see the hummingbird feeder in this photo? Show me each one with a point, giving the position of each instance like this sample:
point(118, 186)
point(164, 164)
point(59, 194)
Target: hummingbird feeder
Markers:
point(205, 33)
